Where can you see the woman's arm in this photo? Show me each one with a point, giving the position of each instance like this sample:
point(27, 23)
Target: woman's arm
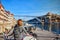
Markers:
point(25, 31)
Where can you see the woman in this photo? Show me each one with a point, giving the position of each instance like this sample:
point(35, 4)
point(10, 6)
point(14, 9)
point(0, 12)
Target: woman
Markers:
point(8, 35)
point(31, 32)
point(5, 34)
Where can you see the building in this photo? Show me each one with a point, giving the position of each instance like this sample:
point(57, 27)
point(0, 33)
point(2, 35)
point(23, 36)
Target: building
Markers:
point(53, 21)
point(11, 20)
point(6, 19)
point(50, 22)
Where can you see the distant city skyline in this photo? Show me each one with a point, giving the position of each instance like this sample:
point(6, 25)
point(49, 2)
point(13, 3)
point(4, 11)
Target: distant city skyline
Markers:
point(32, 7)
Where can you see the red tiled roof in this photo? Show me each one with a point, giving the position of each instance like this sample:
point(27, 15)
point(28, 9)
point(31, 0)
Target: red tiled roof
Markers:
point(1, 6)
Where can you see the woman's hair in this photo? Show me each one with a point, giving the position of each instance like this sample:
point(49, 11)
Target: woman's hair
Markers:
point(18, 21)
point(6, 29)
point(30, 28)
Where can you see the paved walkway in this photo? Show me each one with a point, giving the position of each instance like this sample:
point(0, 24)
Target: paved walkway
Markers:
point(42, 35)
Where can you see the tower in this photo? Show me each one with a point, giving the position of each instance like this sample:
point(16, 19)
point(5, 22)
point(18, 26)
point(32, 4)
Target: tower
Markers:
point(0, 1)
point(0, 4)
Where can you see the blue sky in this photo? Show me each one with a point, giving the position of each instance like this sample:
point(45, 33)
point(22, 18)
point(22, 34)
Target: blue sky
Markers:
point(32, 7)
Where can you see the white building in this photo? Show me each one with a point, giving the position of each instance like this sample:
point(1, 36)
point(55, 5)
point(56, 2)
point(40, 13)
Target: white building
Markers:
point(6, 19)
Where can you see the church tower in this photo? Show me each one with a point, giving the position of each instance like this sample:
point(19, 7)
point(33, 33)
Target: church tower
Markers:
point(1, 6)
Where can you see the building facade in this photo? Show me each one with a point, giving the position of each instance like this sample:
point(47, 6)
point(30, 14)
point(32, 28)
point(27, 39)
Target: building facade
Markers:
point(6, 19)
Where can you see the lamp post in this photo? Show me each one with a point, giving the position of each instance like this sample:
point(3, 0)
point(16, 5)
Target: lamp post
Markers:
point(50, 24)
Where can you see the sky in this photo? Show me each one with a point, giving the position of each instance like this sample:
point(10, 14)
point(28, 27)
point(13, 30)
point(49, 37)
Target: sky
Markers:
point(32, 7)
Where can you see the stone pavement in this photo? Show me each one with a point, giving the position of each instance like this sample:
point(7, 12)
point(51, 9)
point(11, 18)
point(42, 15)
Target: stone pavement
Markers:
point(42, 35)
point(45, 35)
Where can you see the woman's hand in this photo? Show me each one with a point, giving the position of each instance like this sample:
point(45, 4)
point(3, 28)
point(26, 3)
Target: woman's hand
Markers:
point(27, 34)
